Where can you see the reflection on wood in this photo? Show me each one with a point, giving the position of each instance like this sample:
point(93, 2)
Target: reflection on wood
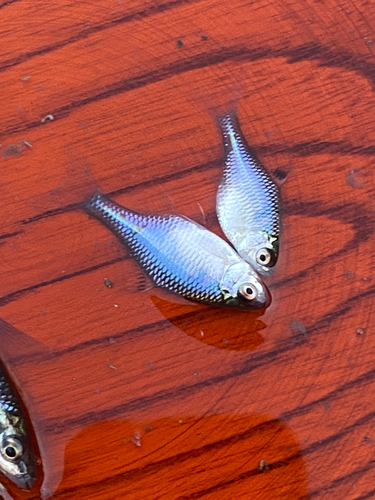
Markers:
point(123, 96)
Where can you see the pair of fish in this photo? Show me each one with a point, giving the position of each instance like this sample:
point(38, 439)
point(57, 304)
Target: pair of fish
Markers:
point(184, 257)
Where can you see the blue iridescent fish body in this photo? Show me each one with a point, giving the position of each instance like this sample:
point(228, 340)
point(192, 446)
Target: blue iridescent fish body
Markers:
point(248, 203)
point(183, 257)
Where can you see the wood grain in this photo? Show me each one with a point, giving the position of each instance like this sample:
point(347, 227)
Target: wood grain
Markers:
point(132, 393)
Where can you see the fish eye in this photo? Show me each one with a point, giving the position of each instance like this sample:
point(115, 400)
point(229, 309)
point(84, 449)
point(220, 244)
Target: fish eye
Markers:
point(248, 291)
point(12, 449)
point(263, 257)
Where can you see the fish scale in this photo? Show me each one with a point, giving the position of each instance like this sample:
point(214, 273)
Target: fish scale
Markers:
point(247, 204)
point(8, 399)
point(181, 256)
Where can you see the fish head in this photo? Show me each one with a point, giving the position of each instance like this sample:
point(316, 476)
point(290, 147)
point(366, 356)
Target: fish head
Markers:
point(260, 249)
point(245, 289)
point(16, 459)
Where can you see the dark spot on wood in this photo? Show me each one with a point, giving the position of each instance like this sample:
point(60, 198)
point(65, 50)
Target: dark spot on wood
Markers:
point(298, 327)
point(280, 174)
point(14, 150)
point(108, 283)
point(180, 43)
point(355, 178)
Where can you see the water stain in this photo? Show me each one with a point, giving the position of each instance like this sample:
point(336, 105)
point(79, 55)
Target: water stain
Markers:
point(355, 178)
point(194, 456)
point(217, 327)
point(297, 327)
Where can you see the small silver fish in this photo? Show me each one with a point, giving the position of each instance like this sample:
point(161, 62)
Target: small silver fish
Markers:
point(18, 461)
point(247, 203)
point(183, 257)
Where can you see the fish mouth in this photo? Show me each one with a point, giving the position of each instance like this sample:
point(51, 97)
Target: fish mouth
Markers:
point(26, 477)
point(263, 300)
point(28, 481)
point(25, 482)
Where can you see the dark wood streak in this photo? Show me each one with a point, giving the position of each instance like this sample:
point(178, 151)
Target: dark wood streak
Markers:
point(360, 381)
point(322, 54)
point(240, 477)
point(24, 291)
point(126, 85)
point(335, 58)
point(317, 147)
point(349, 479)
point(8, 2)
point(369, 495)
point(145, 330)
point(87, 32)
point(129, 188)
point(10, 235)
point(357, 215)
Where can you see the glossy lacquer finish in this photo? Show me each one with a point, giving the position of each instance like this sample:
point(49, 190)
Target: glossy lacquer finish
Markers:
point(132, 393)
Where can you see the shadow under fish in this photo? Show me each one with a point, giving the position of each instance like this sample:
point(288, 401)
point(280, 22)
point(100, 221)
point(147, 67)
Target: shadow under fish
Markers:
point(183, 257)
point(220, 328)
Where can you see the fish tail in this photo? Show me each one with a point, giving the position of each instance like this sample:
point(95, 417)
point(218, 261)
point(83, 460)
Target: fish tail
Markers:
point(116, 217)
point(231, 131)
point(96, 204)
point(228, 123)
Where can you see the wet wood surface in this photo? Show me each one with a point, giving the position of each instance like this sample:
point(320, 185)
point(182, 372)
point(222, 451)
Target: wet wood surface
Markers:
point(133, 394)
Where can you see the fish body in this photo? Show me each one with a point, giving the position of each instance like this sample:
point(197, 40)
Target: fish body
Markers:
point(18, 461)
point(247, 203)
point(183, 257)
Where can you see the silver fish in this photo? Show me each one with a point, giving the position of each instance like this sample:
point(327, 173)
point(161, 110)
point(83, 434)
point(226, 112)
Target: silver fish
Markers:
point(183, 257)
point(18, 461)
point(247, 203)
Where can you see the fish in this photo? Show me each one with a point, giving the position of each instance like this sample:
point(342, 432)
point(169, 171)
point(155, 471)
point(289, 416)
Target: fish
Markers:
point(18, 460)
point(247, 201)
point(183, 257)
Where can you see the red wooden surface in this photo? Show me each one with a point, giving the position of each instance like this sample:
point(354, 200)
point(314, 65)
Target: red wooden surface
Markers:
point(133, 394)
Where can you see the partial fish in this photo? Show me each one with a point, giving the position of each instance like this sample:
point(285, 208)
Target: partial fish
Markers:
point(183, 257)
point(247, 204)
point(18, 461)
